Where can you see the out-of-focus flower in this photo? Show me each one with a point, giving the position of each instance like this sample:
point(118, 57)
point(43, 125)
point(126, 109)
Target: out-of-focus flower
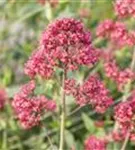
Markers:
point(94, 143)
point(116, 32)
point(121, 77)
point(3, 97)
point(125, 8)
point(124, 77)
point(119, 135)
point(53, 3)
point(29, 108)
point(70, 86)
point(73, 148)
point(124, 113)
point(84, 13)
point(105, 28)
point(99, 123)
point(111, 69)
point(132, 137)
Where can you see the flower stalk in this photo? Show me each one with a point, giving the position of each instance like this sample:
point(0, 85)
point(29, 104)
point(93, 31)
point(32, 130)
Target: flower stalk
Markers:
point(63, 114)
point(125, 141)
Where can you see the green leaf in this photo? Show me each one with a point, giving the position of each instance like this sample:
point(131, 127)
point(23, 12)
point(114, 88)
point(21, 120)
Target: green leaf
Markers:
point(89, 124)
point(30, 14)
point(79, 145)
point(69, 138)
point(7, 72)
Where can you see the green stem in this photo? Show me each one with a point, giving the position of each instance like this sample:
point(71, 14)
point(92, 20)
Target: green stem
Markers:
point(133, 61)
point(63, 115)
point(45, 130)
point(74, 111)
point(4, 142)
point(125, 141)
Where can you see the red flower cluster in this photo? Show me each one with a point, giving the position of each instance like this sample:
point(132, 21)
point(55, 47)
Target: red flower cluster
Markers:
point(29, 108)
point(2, 98)
point(119, 135)
point(70, 86)
point(66, 44)
point(116, 32)
point(121, 77)
point(93, 143)
point(125, 8)
point(124, 113)
point(39, 63)
point(92, 91)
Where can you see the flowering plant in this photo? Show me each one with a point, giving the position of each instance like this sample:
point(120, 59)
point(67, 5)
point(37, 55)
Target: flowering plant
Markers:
point(74, 73)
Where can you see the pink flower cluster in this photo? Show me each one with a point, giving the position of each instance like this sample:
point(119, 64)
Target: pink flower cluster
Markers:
point(125, 8)
point(69, 43)
point(2, 98)
point(84, 13)
point(65, 44)
point(70, 86)
point(29, 108)
point(124, 115)
point(121, 133)
point(92, 91)
point(116, 32)
point(121, 77)
point(39, 64)
point(93, 143)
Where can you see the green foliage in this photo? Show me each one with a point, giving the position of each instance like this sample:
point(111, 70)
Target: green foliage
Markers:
point(88, 122)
